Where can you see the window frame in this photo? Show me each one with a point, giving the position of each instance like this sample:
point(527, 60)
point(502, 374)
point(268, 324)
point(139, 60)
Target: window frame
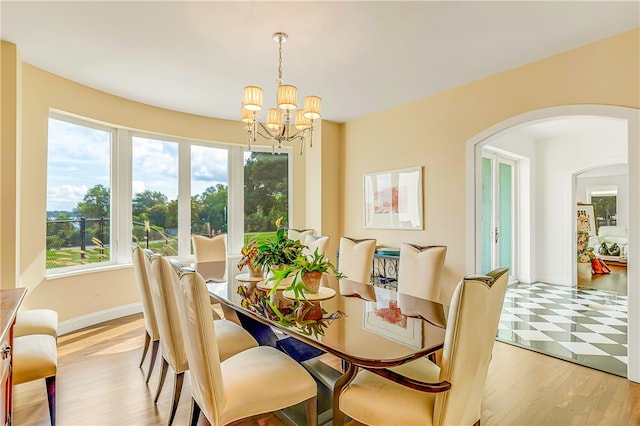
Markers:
point(114, 152)
point(121, 191)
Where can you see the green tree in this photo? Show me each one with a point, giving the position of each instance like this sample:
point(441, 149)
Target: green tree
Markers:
point(60, 234)
point(145, 200)
point(95, 204)
point(158, 215)
point(172, 215)
point(213, 208)
point(266, 191)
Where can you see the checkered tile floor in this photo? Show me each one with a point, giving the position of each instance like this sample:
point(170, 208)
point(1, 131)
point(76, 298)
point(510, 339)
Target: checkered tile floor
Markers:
point(587, 327)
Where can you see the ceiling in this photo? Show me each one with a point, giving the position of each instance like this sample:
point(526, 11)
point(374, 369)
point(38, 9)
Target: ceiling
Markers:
point(360, 57)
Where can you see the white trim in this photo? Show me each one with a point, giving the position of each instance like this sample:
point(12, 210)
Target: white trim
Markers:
point(184, 199)
point(632, 116)
point(121, 197)
point(98, 317)
point(235, 222)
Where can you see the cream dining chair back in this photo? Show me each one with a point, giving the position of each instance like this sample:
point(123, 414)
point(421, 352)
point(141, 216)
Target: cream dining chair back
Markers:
point(420, 272)
point(150, 323)
point(313, 242)
point(455, 393)
point(231, 337)
point(299, 234)
point(356, 258)
point(258, 380)
point(207, 250)
point(164, 302)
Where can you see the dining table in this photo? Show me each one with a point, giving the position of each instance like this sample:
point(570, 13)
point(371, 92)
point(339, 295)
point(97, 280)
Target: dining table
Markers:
point(365, 326)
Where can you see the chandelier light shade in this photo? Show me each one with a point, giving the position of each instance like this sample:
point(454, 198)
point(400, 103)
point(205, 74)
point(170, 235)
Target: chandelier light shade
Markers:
point(252, 99)
point(287, 97)
point(301, 121)
point(247, 115)
point(274, 119)
point(280, 120)
point(312, 106)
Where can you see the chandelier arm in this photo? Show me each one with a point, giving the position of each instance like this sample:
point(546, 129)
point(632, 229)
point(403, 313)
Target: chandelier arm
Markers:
point(298, 134)
point(267, 136)
point(263, 127)
point(270, 135)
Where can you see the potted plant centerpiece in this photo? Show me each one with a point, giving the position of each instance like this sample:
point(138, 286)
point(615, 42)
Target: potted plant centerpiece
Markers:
point(308, 271)
point(277, 254)
point(250, 259)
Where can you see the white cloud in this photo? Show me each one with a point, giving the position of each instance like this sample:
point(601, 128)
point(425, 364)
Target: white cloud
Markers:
point(65, 197)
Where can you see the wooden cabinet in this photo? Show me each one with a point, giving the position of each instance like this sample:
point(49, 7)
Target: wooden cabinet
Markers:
point(10, 301)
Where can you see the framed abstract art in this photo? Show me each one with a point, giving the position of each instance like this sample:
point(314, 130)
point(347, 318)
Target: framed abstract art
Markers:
point(393, 199)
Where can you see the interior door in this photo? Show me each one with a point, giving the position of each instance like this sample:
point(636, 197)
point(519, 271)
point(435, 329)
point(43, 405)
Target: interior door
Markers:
point(498, 212)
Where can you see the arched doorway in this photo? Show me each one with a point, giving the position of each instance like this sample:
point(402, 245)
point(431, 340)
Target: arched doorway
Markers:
point(474, 200)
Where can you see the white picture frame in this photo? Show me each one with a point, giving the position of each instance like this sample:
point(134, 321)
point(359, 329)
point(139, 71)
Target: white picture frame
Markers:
point(586, 219)
point(393, 199)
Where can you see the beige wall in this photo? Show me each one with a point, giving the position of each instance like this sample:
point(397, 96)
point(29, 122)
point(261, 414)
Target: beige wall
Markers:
point(84, 294)
point(9, 140)
point(323, 185)
point(432, 132)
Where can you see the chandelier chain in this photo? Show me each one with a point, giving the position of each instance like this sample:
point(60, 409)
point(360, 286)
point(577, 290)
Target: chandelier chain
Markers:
point(280, 81)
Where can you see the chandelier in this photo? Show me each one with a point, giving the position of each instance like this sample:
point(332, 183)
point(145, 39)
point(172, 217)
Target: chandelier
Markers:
point(277, 128)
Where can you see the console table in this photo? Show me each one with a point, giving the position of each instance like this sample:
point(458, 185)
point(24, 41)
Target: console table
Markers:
point(10, 301)
point(384, 270)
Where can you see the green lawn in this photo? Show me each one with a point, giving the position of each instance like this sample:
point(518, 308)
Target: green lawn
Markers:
point(70, 257)
point(261, 237)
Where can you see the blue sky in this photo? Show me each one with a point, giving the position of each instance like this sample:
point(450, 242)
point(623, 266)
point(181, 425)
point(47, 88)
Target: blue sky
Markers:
point(79, 158)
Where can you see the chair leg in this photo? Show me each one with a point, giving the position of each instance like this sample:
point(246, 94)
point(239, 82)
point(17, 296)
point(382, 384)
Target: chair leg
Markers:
point(311, 411)
point(177, 389)
point(154, 354)
point(147, 340)
point(163, 376)
point(341, 383)
point(195, 412)
point(51, 398)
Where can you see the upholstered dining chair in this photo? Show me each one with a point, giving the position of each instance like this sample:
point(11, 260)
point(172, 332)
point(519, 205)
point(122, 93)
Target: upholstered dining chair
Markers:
point(420, 272)
point(36, 321)
point(35, 357)
point(150, 324)
point(206, 250)
point(258, 380)
point(313, 242)
point(231, 337)
point(455, 392)
point(356, 258)
point(299, 234)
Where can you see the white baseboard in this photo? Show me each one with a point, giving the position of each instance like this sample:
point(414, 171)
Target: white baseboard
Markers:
point(97, 317)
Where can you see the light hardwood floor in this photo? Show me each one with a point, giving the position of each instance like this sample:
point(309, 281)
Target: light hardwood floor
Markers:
point(615, 281)
point(99, 383)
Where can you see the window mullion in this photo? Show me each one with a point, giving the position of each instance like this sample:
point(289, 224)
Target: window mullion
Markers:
point(184, 200)
point(122, 196)
point(235, 224)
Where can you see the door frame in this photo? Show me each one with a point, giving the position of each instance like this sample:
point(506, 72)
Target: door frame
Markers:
point(473, 198)
point(501, 156)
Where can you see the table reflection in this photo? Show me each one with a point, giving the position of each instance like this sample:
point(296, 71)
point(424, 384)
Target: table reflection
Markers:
point(375, 327)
